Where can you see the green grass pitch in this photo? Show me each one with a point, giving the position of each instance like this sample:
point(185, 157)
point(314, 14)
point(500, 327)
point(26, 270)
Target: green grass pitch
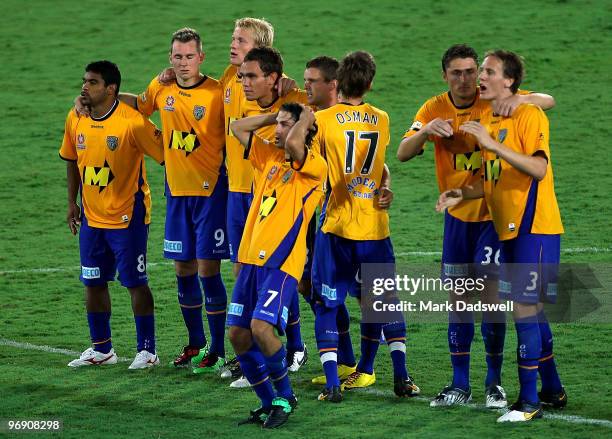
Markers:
point(567, 46)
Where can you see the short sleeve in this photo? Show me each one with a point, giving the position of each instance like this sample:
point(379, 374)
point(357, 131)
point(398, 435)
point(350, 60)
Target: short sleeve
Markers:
point(533, 129)
point(314, 166)
point(68, 149)
point(422, 118)
point(146, 100)
point(258, 151)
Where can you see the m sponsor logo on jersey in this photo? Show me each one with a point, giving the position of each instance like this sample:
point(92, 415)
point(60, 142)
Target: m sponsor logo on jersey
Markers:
point(81, 141)
point(228, 95)
point(235, 309)
point(112, 142)
point(90, 272)
point(199, 111)
point(183, 141)
point(169, 103)
point(416, 125)
point(502, 135)
point(100, 176)
point(268, 203)
point(492, 170)
point(173, 246)
point(469, 161)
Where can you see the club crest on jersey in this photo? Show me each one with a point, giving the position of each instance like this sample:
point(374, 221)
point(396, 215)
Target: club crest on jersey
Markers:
point(287, 176)
point(228, 95)
point(169, 103)
point(502, 135)
point(112, 142)
point(273, 171)
point(81, 141)
point(199, 111)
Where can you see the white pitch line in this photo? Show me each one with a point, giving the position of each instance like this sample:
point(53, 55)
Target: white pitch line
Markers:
point(50, 349)
point(572, 419)
point(59, 269)
point(400, 254)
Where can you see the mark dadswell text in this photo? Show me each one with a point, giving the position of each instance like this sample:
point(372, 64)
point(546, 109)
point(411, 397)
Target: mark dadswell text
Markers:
point(431, 306)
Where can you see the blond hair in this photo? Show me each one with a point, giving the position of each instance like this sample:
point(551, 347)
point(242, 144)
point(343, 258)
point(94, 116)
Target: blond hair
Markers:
point(262, 31)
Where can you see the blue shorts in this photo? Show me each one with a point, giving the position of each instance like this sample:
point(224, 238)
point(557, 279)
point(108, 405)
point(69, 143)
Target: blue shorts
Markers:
point(337, 260)
point(238, 205)
point(470, 249)
point(530, 268)
point(311, 234)
point(264, 294)
point(104, 251)
point(195, 226)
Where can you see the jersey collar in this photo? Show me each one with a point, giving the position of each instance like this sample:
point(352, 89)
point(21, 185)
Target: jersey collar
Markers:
point(197, 84)
point(462, 107)
point(108, 114)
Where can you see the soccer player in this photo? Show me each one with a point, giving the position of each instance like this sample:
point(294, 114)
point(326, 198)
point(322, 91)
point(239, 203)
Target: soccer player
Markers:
point(353, 137)
point(104, 156)
point(471, 246)
point(321, 85)
point(273, 252)
point(519, 190)
point(248, 33)
point(260, 71)
point(191, 111)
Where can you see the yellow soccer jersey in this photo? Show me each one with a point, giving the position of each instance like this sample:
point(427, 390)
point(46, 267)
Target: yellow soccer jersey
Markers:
point(353, 140)
point(458, 159)
point(275, 231)
point(193, 129)
point(507, 188)
point(239, 168)
point(109, 155)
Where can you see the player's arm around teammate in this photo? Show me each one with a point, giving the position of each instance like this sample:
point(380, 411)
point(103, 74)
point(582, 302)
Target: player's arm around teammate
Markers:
point(104, 154)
